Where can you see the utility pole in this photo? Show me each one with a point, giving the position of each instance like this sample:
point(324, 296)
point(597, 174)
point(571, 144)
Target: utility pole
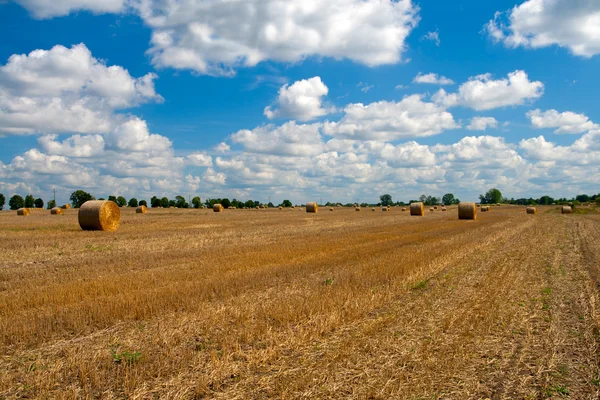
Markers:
point(54, 191)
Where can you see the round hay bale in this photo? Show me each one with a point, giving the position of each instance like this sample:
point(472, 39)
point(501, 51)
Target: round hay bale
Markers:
point(56, 211)
point(467, 210)
point(300, 208)
point(356, 208)
point(444, 209)
point(372, 209)
point(217, 208)
point(485, 209)
point(23, 211)
point(417, 209)
point(99, 215)
point(66, 206)
point(312, 207)
point(385, 209)
point(331, 209)
point(566, 210)
point(280, 208)
point(435, 207)
point(403, 208)
point(478, 205)
point(141, 210)
point(293, 207)
point(531, 210)
point(431, 209)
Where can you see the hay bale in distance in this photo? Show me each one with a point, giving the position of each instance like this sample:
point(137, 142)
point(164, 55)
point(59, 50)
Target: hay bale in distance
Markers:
point(280, 208)
point(403, 208)
point(141, 210)
point(531, 210)
point(385, 209)
point(485, 209)
point(56, 211)
point(435, 207)
point(23, 211)
point(566, 210)
point(99, 215)
point(417, 209)
point(312, 207)
point(431, 209)
point(217, 208)
point(331, 209)
point(467, 210)
point(444, 209)
point(66, 206)
point(356, 208)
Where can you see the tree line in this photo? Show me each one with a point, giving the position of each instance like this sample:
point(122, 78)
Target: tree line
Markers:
point(492, 196)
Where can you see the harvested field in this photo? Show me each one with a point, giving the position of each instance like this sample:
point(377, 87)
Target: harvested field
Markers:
point(193, 304)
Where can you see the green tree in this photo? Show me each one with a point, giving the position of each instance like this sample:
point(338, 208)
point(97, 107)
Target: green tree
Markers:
point(286, 203)
point(121, 201)
point(583, 198)
point(29, 201)
point(492, 196)
point(155, 202)
point(225, 203)
point(448, 199)
point(113, 199)
point(172, 203)
point(133, 202)
point(197, 202)
point(39, 203)
point(2, 201)
point(51, 204)
point(79, 197)
point(16, 202)
point(143, 203)
point(164, 202)
point(250, 204)
point(386, 199)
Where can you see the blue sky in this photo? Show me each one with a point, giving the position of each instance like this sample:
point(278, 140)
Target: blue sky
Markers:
point(364, 97)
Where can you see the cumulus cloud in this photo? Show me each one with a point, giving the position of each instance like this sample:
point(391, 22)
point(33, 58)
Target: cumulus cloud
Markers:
point(387, 121)
point(199, 159)
point(288, 139)
point(67, 90)
point(432, 79)
point(565, 122)
point(301, 101)
point(482, 123)
point(572, 24)
point(218, 36)
point(484, 93)
point(584, 151)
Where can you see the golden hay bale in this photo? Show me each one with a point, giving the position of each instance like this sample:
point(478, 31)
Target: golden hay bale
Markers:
point(444, 209)
point(435, 207)
point(66, 206)
point(331, 209)
point(23, 211)
point(217, 208)
point(293, 207)
point(531, 210)
point(417, 209)
point(478, 205)
point(280, 208)
point(485, 209)
point(312, 207)
point(431, 209)
point(403, 208)
point(300, 209)
point(357, 209)
point(99, 215)
point(141, 210)
point(385, 209)
point(566, 210)
point(467, 210)
point(56, 211)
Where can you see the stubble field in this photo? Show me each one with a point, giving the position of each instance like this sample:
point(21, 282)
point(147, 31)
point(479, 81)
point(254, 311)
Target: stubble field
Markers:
point(256, 304)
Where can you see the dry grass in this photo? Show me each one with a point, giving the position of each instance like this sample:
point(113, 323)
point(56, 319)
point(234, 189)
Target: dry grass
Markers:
point(192, 304)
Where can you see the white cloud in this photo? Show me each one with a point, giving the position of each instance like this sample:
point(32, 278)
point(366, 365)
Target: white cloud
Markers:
point(584, 151)
point(565, 122)
point(433, 79)
point(56, 8)
point(434, 36)
point(288, 139)
point(199, 159)
point(388, 121)
point(483, 93)
point(218, 36)
point(301, 101)
point(222, 148)
point(74, 146)
point(572, 24)
point(67, 90)
point(482, 123)
point(133, 136)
